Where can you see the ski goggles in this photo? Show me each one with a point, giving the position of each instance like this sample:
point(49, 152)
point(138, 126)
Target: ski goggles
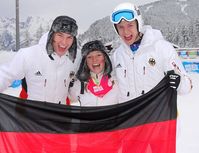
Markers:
point(128, 15)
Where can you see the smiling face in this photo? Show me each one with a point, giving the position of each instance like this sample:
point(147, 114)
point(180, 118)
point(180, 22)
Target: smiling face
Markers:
point(128, 31)
point(95, 61)
point(62, 42)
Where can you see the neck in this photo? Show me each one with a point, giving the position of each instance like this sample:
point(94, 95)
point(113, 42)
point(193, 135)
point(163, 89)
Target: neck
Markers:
point(134, 47)
point(139, 38)
point(97, 76)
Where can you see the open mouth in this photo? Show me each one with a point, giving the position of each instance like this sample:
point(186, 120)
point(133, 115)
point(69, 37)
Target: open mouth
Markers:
point(128, 38)
point(96, 65)
point(62, 48)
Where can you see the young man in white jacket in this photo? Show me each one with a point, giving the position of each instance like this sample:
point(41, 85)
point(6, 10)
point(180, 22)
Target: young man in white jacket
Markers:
point(144, 56)
point(48, 66)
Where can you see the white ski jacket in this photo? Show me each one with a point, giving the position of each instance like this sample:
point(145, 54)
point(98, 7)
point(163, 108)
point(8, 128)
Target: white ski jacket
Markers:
point(140, 72)
point(47, 79)
point(89, 99)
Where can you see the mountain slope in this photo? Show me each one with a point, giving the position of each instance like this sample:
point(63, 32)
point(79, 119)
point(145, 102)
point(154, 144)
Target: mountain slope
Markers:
point(177, 19)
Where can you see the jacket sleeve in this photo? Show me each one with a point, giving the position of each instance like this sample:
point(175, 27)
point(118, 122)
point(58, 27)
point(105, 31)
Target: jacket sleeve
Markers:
point(13, 70)
point(173, 62)
point(113, 59)
point(185, 85)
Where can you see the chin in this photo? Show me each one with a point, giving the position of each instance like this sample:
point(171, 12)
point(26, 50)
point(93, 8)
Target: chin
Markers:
point(96, 72)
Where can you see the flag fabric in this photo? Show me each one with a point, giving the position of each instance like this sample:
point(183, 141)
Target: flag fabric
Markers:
point(146, 124)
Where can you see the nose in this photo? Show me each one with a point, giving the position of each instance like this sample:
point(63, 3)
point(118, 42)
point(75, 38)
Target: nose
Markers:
point(64, 41)
point(94, 58)
point(125, 31)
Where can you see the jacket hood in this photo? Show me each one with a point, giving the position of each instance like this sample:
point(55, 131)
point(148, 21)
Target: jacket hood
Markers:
point(43, 39)
point(150, 35)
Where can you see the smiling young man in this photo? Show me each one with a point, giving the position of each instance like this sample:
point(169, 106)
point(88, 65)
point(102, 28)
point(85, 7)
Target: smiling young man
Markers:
point(47, 66)
point(62, 42)
point(144, 56)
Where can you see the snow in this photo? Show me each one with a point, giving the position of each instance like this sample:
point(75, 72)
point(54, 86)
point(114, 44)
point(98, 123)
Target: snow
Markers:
point(188, 105)
point(5, 56)
point(188, 137)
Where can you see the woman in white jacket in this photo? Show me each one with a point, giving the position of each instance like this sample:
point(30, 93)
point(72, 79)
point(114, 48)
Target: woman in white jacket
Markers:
point(48, 66)
point(94, 86)
point(144, 56)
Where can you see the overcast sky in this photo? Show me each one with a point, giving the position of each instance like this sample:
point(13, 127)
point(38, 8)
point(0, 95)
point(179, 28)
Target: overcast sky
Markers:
point(84, 11)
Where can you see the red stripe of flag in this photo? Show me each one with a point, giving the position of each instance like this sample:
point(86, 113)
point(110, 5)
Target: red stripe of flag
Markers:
point(149, 138)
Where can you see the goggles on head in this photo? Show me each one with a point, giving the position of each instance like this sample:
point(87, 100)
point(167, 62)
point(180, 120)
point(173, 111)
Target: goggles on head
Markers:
point(128, 15)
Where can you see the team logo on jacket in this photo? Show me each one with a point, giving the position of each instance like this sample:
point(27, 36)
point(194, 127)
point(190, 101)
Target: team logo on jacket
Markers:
point(152, 61)
point(38, 73)
point(118, 66)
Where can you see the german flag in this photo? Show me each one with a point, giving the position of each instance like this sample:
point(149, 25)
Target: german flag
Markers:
point(146, 124)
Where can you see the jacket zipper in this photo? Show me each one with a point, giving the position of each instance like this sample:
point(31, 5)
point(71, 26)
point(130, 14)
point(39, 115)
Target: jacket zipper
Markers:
point(45, 82)
point(134, 76)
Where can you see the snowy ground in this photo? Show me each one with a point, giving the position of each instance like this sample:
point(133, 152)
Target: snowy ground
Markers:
point(188, 106)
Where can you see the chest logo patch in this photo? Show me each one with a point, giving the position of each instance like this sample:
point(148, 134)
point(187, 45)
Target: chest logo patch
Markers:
point(118, 66)
point(38, 73)
point(152, 61)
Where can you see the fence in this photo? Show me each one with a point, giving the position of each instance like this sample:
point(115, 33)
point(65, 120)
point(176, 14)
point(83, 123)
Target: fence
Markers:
point(188, 53)
point(190, 58)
